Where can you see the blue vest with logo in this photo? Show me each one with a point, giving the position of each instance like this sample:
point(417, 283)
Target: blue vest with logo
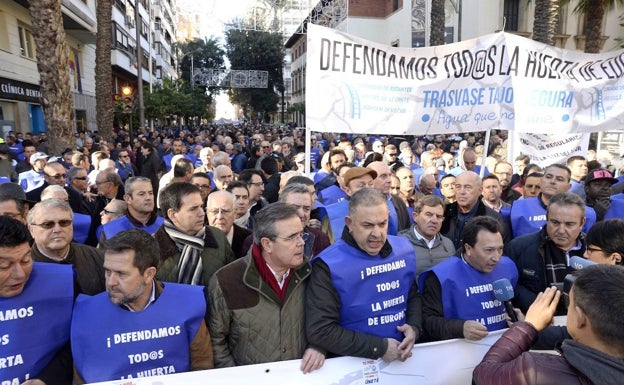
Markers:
point(35, 324)
point(373, 290)
point(616, 210)
point(109, 342)
point(529, 215)
point(123, 223)
point(337, 213)
point(332, 194)
point(81, 225)
point(467, 293)
point(393, 219)
point(167, 159)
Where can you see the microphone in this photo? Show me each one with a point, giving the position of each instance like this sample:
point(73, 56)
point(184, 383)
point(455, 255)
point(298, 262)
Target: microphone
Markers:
point(503, 291)
point(578, 263)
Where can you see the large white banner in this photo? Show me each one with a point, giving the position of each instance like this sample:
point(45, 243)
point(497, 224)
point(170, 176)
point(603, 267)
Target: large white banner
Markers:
point(545, 149)
point(438, 363)
point(498, 81)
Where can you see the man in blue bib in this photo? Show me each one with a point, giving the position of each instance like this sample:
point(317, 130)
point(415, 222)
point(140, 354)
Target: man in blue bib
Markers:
point(362, 299)
point(139, 327)
point(139, 195)
point(458, 297)
point(35, 312)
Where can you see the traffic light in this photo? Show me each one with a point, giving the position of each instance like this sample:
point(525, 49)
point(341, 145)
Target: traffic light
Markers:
point(127, 99)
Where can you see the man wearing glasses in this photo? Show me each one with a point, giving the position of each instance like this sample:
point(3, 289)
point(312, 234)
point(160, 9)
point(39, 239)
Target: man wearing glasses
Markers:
point(220, 213)
point(56, 174)
point(256, 303)
point(124, 166)
point(50, 224)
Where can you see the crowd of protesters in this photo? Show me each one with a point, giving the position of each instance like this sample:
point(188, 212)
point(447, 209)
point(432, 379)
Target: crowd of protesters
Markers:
point(282, 253)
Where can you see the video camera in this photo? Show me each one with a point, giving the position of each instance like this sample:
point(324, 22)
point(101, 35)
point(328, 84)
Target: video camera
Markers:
point(576, 263)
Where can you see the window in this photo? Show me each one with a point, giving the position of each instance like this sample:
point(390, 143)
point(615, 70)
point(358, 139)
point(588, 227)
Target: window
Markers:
point(144, 29)
point(121, 39)
point(27, 42)
point(395, 5)
point(511, 14)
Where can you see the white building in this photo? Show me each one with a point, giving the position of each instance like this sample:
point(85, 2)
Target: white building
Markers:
point(20, 109)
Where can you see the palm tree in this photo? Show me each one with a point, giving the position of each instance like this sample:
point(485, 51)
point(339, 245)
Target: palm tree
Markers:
point(53, 66)
point(103, 70)
point(546, 20)
point(436, 36)
point(594, 11)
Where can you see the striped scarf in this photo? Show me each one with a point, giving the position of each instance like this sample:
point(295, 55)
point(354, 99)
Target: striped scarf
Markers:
point(190, 269)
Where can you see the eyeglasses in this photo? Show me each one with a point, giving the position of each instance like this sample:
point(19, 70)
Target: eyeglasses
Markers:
point(49, 225)
point(104, 211)
point(266, 146)
point(203, 186)
point(58, 176)
point(594, 250)
point(257, 184)
point(80, 177)
point(219, 211)
point(393, 155)
point(304, 236)
point(99, 183)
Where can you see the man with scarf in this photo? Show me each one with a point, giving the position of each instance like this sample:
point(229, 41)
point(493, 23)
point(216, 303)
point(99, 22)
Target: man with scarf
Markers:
point(543, 257)
point(189, 251)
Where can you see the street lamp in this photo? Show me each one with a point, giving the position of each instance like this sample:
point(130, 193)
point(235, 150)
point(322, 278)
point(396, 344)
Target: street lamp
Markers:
point(192, 53)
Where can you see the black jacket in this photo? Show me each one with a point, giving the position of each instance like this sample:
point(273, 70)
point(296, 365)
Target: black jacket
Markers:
point(529, 253)
point(452, 229)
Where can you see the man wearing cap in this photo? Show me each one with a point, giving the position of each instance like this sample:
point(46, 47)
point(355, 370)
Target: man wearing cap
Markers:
point(31, 179)
point(355, 179)
point(598, 193)
point(13, 202)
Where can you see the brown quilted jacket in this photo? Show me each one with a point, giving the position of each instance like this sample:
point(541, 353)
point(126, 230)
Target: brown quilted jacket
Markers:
point(247, 321)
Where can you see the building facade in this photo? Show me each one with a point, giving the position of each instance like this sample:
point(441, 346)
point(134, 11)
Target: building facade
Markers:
point(20, 108)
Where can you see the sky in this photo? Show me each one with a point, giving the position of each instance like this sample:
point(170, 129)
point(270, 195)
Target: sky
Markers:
point(214, 13)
